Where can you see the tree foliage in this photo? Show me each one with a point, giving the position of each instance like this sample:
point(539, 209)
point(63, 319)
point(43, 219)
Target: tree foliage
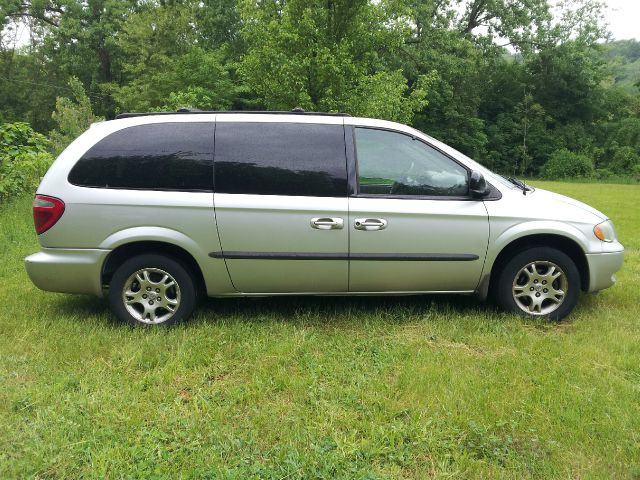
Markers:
point(23, 158)
point(327, 56)
point(508, 83)
point(72, 115)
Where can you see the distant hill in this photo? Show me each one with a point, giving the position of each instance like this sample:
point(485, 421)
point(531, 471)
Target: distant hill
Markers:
point(623, 59)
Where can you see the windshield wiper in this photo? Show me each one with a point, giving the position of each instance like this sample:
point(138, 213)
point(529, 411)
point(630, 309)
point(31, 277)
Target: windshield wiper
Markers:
point(519, 183)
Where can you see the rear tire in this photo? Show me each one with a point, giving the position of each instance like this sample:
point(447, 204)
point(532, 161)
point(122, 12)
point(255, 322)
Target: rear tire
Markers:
point(540, 282)
point(150, 290)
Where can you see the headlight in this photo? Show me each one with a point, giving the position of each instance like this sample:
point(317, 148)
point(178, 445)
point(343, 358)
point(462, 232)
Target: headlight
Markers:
point(605, 231)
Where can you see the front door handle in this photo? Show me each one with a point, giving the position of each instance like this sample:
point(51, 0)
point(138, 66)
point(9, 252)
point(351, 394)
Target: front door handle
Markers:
point(327, 223)
point(370, 224)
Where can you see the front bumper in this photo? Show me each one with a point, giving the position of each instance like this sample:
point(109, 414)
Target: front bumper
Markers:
point(602, 267)
point(67, 270)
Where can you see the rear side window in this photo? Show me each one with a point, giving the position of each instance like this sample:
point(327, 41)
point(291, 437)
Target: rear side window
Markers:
point(280, 159)
point(158, 156)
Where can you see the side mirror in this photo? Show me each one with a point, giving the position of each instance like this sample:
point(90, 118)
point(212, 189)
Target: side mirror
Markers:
point(477, 185)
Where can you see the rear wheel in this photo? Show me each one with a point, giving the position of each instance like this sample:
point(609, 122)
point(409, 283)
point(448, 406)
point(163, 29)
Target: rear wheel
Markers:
point(539, 282)
point(152, 289)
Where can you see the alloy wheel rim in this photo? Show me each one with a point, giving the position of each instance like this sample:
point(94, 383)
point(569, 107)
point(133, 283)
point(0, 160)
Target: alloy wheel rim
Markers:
point(151, 295)
point(540, 287)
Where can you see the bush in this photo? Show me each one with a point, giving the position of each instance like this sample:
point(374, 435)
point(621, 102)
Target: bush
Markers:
point(23, 159)
point(603, 173)
point(73, 116)
point(565, 164)
point(625, 159)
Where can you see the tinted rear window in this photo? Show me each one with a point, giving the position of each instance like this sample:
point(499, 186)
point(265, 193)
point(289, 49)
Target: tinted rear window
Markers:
point(160, 156)
point(280, 159)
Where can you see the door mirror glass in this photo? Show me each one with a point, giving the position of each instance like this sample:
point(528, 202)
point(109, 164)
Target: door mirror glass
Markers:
point(478, 185)
point(396, 164)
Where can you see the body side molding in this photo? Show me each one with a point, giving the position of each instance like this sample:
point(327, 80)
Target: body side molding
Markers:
point(426, 257)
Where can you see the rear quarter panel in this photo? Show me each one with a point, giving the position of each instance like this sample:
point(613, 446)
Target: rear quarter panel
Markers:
point(100, 218)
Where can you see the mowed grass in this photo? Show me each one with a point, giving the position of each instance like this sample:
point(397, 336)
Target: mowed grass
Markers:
point(412, 387)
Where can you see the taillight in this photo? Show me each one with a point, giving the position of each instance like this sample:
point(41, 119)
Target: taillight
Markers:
point(46, 212)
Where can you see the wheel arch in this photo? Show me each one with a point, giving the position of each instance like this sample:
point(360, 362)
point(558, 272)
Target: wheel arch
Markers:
point(129, 250)
point(563, 243)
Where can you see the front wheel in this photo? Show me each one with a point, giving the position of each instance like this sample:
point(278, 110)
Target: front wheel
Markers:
point(539, 282)
point(152, 289)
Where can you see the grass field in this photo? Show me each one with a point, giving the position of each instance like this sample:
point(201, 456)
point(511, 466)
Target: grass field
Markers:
point(413, 387)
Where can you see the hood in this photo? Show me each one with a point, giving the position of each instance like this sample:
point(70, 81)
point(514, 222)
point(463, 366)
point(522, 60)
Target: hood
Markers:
point(551, 197)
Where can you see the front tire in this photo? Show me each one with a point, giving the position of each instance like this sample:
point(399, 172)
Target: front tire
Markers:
point(540, 282)
point(152, 289)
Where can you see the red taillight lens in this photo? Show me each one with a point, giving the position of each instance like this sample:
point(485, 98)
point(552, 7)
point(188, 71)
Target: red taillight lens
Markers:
point(46, 212)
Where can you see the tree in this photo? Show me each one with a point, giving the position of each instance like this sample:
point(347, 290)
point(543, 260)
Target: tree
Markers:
point(327, 56)
point(161, 57)
point(515, 23)
point(77, 39)
point(28, 88)
point(456, 43)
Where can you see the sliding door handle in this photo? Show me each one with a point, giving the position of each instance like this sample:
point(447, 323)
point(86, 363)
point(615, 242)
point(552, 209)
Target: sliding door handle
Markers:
point(327, 223)
point(370, 224)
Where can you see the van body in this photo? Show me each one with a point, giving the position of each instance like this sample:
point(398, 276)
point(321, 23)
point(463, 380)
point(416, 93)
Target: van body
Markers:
point(150, 209)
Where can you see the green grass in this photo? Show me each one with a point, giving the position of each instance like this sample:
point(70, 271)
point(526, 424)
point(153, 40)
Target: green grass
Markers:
point(441, 387)
point(614, 179)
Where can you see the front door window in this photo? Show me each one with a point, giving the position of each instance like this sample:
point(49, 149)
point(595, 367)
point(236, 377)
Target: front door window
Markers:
point(396, 164)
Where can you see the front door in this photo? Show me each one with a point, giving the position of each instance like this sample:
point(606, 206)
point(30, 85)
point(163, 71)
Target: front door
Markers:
point(413, 226)
point(281, 204)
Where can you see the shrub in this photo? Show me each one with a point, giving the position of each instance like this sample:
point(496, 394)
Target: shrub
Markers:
point(23, 159)
point(625, 159)
point(564, 164)
point(602, 173)
point(73, 116)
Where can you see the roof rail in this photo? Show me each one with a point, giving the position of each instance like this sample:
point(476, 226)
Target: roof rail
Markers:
point(187, 111)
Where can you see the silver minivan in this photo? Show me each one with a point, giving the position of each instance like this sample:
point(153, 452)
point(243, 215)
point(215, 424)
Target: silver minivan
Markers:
point(152, 209)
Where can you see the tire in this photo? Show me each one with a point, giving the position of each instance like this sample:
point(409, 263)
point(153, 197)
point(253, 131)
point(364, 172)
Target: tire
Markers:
point(150, 290)
point(540, 282)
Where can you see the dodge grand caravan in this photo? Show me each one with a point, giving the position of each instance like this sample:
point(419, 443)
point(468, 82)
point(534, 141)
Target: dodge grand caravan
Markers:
point(151, 209)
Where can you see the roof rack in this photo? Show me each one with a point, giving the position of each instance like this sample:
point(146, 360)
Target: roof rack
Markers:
point(188, 111)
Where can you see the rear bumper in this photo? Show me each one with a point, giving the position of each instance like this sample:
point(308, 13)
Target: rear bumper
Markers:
point(602, 267)
point(67, 270)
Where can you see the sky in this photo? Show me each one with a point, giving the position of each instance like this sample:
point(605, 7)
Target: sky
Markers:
point(623, 17)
